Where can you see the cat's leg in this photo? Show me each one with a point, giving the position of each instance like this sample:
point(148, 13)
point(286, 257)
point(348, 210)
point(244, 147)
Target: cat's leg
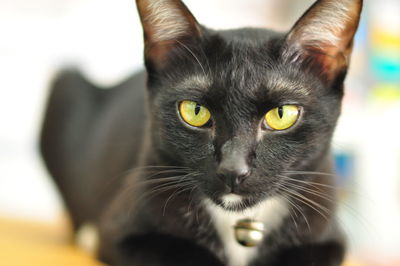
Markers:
point(318, 254)
point(154, 249)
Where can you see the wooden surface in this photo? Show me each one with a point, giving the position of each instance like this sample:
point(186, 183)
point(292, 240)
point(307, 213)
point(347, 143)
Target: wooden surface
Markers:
point(31, 243)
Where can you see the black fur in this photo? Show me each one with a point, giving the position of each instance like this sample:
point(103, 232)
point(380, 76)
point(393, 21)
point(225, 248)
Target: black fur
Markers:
point(92, 139)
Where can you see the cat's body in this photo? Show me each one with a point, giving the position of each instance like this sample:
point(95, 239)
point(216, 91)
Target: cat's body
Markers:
point(191, 184)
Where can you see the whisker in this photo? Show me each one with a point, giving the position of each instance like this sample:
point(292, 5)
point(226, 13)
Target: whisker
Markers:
point(310, 203)
point(172, 180)
point(322, 174)
point(302, 213)
point(287, 197)
point(162, 166)
point(207, 61)
point(158, 180)
point(195, 57)
point(311, 191)
point(150, 194)
point(153, 168)
point(191, 198)
point(176, 182)
point(162, 181)
point(315, 188)
point(176, 193)
point(166, 172)
point(292, 210)
point(316, 184)
point(150, 179)
point(310, 173)
point(318, 192)
point(171, 169)
point(162, 188)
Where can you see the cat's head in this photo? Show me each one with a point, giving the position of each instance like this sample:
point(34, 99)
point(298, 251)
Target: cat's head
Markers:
point(243, 107)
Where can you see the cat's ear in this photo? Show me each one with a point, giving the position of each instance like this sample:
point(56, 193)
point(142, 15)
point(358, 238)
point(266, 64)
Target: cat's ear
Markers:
point(167, 24)
point(323, 36)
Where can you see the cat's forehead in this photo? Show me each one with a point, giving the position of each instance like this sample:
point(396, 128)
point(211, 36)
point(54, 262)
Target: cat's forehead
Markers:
point(257, 66)
point(243, 83)
point(240, 68)
point(278, 82)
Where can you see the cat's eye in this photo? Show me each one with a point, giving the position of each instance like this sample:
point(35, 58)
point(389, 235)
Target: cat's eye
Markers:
point(282, 117)
point(194, 113)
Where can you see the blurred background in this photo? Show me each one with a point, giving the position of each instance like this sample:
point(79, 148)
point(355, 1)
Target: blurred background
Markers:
point(104, 39)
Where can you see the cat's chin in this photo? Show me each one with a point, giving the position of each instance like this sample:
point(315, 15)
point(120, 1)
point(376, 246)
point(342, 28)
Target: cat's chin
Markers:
point(234, 203)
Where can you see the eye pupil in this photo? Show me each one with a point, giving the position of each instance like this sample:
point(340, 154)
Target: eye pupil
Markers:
point(280, 112)
point(197, 109)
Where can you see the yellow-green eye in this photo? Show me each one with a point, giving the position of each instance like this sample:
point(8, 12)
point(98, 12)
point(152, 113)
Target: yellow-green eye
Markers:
point(194, 114)
point(282, 117)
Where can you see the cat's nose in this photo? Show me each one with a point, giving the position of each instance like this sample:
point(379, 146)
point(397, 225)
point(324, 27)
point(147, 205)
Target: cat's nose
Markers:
point(233, 177)
point(233, 167)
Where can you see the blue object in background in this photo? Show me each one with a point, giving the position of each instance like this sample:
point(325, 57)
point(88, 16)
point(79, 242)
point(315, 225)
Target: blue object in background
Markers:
point(344, 166)
point(386, 67)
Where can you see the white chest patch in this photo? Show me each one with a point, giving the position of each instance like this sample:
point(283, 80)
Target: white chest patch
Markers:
point(271, 212)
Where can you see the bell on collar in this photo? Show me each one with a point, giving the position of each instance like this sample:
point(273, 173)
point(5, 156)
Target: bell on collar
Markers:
point(249, 233)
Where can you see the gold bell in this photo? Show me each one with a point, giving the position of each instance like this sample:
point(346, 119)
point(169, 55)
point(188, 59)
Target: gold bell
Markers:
point(249, 233)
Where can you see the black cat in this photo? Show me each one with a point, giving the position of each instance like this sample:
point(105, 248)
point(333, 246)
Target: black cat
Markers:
point(235, 128)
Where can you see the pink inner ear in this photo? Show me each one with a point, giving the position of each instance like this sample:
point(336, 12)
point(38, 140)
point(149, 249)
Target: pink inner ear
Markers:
point(328, 61)
point(158, 52)
point(323, 36)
